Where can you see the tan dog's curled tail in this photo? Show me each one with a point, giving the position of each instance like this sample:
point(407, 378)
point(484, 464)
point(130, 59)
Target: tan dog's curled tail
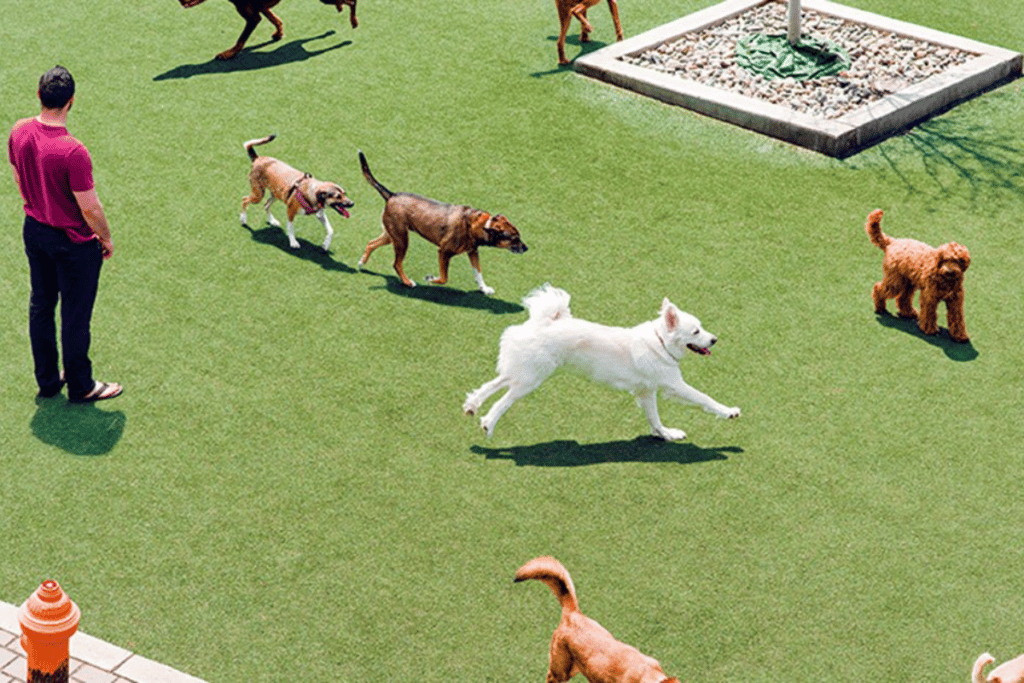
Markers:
point(384, 192)
point(874, 230)
point(249, 144)
point(551, 572)
point(978, 673)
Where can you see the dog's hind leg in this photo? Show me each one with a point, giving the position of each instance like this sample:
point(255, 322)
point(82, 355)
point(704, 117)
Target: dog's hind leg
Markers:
point(254, 198)
point(613, 6)
point(476, 398)
point(270, 217)
point(252, 18)
point(648, 400)
point(517, 389)
point(278, 24)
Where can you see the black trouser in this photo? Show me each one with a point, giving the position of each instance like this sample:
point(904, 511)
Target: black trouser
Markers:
point(61, 269)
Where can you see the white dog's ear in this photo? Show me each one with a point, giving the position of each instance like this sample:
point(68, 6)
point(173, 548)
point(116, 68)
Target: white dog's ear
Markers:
point(670, 313)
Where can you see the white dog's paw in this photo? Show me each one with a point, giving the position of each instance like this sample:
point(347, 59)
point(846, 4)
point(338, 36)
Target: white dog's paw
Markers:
point(244, 218)
point(294, 244)
point(486, 426)
point(669, 434)
point(360, 264)
point(731, 413)
point(273, 221)
point(487, 290)
point(470, 407)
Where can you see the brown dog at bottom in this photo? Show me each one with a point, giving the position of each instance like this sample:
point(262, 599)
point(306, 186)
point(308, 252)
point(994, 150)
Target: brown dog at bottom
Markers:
point(299, 191)
point(582, 646)
point(1007, 672)
point(567, 9)
point(455, 229)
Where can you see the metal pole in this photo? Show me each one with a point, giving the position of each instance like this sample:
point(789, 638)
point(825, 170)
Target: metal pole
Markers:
point(794, 22)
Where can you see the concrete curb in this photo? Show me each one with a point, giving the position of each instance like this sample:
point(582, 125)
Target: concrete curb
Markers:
point(841, 137)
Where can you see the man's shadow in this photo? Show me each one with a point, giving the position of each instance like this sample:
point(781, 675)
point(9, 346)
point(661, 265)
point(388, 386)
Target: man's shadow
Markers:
point(250, 60)
point(275, 237)
point(78, 429)
point(958, 351)
point(566, 453)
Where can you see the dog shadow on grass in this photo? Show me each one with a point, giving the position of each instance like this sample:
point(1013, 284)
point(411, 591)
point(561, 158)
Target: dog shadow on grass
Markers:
point(78, 429)
point(573, 41)
point(251, 60)
point(566, 453)
point(307, 251)
point(446, 296)
point(957, 351)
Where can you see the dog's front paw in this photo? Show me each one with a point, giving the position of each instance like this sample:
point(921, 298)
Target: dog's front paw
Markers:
point(470, 406)
point(669, 434)
point(731, 413)
point(487, 290)
point(294, 244)
point(244, 218)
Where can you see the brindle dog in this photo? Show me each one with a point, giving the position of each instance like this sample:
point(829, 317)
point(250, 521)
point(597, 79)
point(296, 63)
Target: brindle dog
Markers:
point(455, 229)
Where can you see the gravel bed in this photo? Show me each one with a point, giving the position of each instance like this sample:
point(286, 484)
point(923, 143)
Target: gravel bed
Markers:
point(881, 62)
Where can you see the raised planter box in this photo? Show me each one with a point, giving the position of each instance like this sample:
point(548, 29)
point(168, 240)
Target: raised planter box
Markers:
point(838, 137)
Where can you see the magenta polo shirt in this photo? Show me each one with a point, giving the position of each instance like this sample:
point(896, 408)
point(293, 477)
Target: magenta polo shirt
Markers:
point(51, 164)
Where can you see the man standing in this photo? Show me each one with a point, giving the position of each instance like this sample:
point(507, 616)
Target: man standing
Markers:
point(66, 237)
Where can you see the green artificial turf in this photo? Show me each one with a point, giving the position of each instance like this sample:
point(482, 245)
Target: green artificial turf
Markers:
point(288, 487)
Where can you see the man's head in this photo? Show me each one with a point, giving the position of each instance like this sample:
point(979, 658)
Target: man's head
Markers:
point(56, 88)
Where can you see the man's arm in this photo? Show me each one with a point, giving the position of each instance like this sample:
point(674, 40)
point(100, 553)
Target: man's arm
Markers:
point(92, 211)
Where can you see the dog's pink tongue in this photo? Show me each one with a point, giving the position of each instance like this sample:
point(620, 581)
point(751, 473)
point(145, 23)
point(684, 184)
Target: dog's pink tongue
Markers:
point(343, 211)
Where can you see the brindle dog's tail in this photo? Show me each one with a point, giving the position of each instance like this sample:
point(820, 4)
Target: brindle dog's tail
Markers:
point(384, 192)
point(252, 143)
point(551, 572)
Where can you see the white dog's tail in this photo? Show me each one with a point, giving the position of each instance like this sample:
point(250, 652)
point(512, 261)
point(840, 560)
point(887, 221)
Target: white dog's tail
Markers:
point(551, 572)
point(978, 673)
point(547, 303)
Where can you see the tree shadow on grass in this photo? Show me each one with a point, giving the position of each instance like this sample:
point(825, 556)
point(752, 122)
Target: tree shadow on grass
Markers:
point(585, 49)
point(566, 453)
point(250, 60)
point(957, 154)
point(307, 251)
point(957, 351)
point(78, 429)
point(446, 296)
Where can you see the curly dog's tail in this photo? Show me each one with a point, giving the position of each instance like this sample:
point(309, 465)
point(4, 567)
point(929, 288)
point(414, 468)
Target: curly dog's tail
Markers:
point(249, 144)
point(874, 230)
point(978, 672)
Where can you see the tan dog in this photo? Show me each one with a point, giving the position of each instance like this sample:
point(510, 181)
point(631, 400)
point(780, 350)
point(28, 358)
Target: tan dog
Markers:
point(299, 191)
point(1007, 672)
point(582, 646)
point(250, 10)
point(567, 9)
point(453, 228)
point(910, 265)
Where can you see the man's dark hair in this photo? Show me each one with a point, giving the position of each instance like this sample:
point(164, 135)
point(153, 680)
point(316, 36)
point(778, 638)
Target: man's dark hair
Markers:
point(56, 87)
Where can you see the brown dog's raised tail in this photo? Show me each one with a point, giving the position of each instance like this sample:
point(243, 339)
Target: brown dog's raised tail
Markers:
point(384, 192)
point(551, 572)
point(874, 230)
point(249, 144)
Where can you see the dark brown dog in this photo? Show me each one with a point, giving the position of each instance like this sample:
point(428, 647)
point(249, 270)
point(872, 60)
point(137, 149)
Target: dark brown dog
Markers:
point(251, 11)
point(299, 191)
point(454, 229)
point(580, 645)
point(567, 9)
point(910, 265)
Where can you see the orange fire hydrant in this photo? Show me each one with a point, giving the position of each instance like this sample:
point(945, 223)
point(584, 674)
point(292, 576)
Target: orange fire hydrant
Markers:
point(48, 619)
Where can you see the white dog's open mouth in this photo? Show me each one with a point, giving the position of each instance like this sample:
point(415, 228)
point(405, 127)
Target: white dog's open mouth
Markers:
point(698, 350)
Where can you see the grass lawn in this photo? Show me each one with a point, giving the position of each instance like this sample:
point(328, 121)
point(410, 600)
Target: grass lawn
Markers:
point(288, 487)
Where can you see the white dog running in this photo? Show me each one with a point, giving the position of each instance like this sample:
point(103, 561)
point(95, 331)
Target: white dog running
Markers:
point(641, 360)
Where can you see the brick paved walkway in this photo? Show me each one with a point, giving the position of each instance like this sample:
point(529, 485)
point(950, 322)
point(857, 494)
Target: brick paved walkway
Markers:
point(92, 660)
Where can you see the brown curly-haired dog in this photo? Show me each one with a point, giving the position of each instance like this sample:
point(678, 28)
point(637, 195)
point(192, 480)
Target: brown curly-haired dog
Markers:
point(910, 265)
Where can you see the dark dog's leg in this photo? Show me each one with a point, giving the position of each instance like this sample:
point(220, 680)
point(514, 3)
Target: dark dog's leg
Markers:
point(276, 21)
point(443, 259)
point(252, 17)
